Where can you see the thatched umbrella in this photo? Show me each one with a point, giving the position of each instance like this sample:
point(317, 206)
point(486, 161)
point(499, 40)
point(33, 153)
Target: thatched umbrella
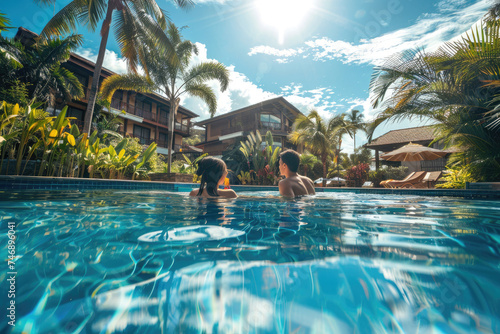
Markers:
point(414, 152)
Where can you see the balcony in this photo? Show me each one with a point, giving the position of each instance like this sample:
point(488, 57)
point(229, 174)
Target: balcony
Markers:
point(132, 109)
point(181, 127)
point(270, 125)
point(163, 120)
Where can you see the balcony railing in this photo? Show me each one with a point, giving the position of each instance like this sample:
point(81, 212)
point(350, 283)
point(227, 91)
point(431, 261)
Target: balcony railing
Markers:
point(270, 125)
point(163, 120)
point(132, 109)
point(181, 127)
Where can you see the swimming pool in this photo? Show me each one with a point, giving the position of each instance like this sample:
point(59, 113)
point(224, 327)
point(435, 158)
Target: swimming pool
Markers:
point(161, 262)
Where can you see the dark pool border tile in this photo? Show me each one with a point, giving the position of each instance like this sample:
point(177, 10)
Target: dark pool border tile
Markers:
point(60, 183)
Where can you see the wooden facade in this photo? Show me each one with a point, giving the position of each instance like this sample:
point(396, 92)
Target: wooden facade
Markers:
point(146, 115)
point(276, 115)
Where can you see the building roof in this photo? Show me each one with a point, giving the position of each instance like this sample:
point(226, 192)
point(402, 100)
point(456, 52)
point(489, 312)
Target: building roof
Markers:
point(280, 99)
point(396, 138)
point(27, 36)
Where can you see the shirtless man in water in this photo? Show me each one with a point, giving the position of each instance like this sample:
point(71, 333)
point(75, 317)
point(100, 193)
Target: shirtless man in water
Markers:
point(294, 184)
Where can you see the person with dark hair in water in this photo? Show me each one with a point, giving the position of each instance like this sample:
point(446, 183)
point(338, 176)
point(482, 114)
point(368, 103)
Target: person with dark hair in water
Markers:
point(213, 172)
point(294, 184)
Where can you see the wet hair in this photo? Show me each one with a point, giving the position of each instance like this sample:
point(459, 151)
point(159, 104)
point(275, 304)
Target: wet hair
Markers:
point(210, 169)
point(291, 159)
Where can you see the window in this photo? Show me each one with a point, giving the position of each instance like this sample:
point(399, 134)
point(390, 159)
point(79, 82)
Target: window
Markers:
point(118, 95)
point(163, 115)
point(74, 112)
point(142, 106)
point(270, 121)
point(263, 145)
point(116, 101)
point(144, 134)
point(84, 79)
point(269, 118)
point(162, 139)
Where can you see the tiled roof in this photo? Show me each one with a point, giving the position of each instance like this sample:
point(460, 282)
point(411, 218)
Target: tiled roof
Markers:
point(231, 113)
point(418, 134)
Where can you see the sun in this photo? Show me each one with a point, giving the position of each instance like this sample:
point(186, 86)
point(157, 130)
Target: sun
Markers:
point(283, 14)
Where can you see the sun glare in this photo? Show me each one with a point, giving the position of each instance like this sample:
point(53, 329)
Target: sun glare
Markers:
point(283, 14)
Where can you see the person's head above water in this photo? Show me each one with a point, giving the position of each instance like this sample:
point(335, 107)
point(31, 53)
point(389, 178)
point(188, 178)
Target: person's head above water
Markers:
point(290, 159)
point(213, 171)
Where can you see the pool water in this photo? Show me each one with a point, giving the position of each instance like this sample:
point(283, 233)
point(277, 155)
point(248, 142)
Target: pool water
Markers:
point(162, 262)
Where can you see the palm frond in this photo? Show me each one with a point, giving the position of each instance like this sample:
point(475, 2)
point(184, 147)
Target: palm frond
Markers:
point(205, 93)
point(66, 19)
point(125, 82)
point(208, 71)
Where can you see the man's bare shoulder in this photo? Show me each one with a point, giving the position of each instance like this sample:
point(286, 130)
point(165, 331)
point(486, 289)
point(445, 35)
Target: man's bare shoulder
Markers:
point(309, 184)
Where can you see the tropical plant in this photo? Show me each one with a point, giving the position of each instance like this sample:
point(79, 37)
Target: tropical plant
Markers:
point(320, 137)
point(173, 79)
point(458, 87)
point(4, 22)
point(307, 162)
point(377, 176)
point(261, 156)
point(354, 122)
point(135, 20)
point(107, 125)
point(358, 174)
point(246, 177)
point(37, 70)
point(456, 178)
point(146, 156)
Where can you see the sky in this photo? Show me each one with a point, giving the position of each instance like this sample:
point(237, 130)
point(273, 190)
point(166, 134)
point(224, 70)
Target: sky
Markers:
point(317, 54)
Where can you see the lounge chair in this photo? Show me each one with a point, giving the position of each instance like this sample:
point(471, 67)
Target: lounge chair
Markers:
point(408, 182)
point(428, 181)
point(386, 182)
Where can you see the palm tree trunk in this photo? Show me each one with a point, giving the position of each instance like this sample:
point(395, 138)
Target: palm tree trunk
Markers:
point(174, 104)
point(98, 66)
point(323, 158)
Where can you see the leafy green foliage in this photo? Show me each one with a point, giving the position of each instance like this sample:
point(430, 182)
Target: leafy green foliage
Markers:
point(458, 87)
point(27, 133)
point(456, 178)
point(261, 157)
point(34, 72)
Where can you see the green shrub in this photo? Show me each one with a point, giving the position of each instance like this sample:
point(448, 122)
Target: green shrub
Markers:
point(456, 177)
point(396, 173)
point(377, 176)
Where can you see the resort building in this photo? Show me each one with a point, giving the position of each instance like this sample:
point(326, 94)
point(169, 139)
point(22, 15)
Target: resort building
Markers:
point(276, 115)
point(397, 138)
point(145, 117)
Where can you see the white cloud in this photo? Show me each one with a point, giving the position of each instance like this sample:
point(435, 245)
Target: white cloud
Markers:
point(430, 31)
point(112, 61)
point(241, 91)
point(275, 52)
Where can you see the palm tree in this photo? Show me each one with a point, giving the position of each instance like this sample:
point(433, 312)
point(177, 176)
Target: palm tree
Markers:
point(320, 137)
point(307, 161)
point(458, 87)
point(4, 22)
point(354, 121)
point(173, 79)
point(37, 68)
point(133, 19)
